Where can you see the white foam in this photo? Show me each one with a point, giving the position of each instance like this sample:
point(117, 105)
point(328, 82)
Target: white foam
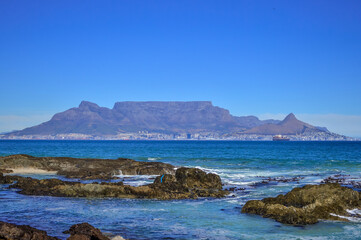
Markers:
point(137, 180)
point(354, 211)
point(351, 219)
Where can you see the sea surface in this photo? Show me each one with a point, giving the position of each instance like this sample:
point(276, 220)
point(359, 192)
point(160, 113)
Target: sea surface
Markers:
point(244, 165)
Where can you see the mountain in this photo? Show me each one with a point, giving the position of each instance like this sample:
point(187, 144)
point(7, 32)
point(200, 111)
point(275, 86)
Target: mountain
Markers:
point(290, 125)
point(162, 117)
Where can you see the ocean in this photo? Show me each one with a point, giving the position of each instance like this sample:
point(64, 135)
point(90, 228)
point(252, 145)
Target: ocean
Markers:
point(244, 165)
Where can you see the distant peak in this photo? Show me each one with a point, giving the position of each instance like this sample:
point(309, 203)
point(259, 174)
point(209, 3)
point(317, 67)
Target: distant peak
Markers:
point(290, 117)
point(86, 104)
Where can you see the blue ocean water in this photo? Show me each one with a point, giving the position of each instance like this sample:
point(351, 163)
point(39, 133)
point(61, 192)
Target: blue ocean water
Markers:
point(240, 164)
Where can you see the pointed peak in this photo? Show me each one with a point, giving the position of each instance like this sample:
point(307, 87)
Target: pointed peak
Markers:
point(290, 117)
point(86, 104)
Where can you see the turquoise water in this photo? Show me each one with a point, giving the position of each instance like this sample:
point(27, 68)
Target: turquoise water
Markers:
point(240, 164)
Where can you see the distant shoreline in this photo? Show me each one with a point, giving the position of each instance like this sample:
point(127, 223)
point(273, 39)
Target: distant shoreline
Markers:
point(176, 140)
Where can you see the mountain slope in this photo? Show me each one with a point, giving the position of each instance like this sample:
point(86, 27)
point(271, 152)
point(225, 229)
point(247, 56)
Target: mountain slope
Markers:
point(290, 125)
point(161, 117)
point(170, 117)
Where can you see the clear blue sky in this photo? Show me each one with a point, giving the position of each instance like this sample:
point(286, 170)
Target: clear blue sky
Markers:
point(251, 57)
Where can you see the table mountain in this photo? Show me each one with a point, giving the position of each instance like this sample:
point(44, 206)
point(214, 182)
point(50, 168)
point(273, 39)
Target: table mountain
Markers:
point(162, 117)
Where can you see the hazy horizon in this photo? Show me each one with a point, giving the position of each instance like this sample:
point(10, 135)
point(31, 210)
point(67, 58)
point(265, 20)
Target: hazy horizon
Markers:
point(351, 122)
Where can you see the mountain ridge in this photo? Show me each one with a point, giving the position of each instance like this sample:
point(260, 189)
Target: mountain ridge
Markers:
point(171, 117)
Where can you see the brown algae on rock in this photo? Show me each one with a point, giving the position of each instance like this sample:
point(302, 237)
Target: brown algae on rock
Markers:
point(307, 205)
point(84, 168)
point(186, 183)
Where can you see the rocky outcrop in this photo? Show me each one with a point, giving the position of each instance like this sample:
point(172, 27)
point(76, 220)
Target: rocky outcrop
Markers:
point(307, 205)
point(344, 180)
point(186, 183)
point(10, 231)
point(82, 231)
point(85, 168)
point(85, 231)
point(8, 179)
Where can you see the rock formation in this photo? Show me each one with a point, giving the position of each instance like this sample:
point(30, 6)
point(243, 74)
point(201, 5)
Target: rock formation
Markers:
point(85, 231)
point(10, 231)
point(187, 183)
point(82, 231)
point(85, 168)
point(307, 205)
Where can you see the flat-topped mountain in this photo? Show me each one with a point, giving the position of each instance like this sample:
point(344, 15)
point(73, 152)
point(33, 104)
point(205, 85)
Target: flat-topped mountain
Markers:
point(196, 117)
point(164, 117)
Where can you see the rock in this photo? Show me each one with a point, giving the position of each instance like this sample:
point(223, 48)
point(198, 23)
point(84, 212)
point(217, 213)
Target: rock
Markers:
point(196, 178)
point(23, 232)
point(269, 180)
point(5, 170)
point(307, 205)
point(82, 231)
point(187, 183)
point(344, 180)
point(8, 179)
point(118, 238)
point(235, 189)
point(85, 231)
point(85, 168)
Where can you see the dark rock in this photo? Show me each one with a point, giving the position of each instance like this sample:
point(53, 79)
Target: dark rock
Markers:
point(85, 231)
point(86, 168)
point(196, 178)
point(8, 179)
point(307, 205)
point(235, 189)
point(187, 183)
point(5, 170)
point(10, 231)
point(274, 180)
point(344, 180)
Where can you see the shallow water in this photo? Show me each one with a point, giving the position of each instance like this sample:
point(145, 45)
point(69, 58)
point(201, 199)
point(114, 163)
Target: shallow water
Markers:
point(240, 164)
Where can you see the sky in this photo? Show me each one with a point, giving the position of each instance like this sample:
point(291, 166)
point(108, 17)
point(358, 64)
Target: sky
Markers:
point(263, 58)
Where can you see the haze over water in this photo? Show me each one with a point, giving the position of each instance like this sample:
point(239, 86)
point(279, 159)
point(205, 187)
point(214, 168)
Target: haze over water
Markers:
point(240, 164)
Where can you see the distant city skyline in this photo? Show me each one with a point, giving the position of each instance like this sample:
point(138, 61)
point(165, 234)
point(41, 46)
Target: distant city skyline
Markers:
point(264, 58)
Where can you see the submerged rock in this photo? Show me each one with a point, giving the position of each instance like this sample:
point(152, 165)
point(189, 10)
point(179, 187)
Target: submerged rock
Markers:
point(10, 231)
point(187, 183)
point(85, 168)
point(344, 180)
point(307, 205)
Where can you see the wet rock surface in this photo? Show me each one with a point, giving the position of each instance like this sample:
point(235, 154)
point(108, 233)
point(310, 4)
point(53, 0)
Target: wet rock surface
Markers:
point(307, 205)
point(344, 180)
point(82, 231)
point(270, 180)
point(186, 183)
point(10, 231)
point(8, 179)
point(85, 231)
point(85, 168)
